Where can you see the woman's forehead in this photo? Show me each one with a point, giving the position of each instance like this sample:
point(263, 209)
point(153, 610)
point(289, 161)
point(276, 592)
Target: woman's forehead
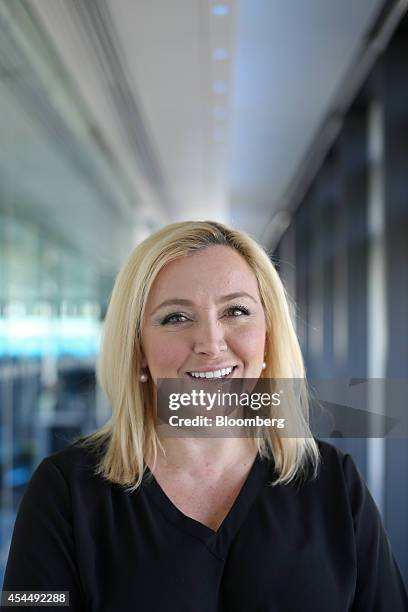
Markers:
point(217, 269)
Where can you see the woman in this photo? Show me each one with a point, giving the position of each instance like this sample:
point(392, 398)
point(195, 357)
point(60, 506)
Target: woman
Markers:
point(127, 519)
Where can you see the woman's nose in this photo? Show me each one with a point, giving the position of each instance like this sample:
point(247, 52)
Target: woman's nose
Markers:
point(209, 338)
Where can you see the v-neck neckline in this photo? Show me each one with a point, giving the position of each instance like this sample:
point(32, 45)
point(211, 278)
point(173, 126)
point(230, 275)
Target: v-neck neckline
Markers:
point(218, 541)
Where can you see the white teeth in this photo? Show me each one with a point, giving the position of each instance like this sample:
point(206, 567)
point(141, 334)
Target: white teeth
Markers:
point(214, 374)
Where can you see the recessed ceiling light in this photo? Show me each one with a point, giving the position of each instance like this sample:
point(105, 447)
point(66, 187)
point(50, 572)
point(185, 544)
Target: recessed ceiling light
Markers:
point(220, 54)
point(219, 87)
point(220, 10)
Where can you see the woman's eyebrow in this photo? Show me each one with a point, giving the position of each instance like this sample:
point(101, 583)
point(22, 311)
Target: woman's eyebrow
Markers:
point(224, 298)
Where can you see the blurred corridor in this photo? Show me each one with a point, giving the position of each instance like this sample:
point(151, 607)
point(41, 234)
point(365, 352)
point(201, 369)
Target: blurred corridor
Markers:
point(288, 121)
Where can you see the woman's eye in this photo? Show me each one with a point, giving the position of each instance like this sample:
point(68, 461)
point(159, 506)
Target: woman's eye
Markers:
point(174, 318)
point(178, 317)
point(240, 309)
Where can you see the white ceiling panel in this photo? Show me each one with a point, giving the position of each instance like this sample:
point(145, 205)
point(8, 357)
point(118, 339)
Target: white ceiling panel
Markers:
point(199, 109)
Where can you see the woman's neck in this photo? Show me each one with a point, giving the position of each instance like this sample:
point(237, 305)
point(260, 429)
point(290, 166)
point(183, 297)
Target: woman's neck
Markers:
point(203, 456)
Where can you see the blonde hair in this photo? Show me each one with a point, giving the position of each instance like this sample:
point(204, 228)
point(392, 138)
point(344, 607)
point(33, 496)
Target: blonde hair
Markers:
point(130, 432)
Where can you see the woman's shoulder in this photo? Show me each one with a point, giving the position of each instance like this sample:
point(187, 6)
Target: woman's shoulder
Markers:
point(75, 462)
point(338, 471)
point(329, 453)
point(334, 473)
point(331, 457)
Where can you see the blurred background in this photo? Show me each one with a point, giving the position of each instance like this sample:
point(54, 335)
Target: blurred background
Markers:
point(288, 120)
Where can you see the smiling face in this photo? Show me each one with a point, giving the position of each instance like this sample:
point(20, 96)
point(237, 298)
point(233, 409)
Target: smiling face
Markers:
point(204, 313)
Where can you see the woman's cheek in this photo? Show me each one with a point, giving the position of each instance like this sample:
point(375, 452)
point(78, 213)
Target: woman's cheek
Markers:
point(249, 340)
point(169, 354)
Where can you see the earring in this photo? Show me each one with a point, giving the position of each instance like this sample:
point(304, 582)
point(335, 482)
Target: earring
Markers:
point(143, 377)
point(264, 365)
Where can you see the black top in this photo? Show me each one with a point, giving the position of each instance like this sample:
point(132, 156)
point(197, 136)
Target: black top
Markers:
point(320, 547)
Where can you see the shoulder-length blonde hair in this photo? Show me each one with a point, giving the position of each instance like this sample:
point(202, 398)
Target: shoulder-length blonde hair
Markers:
point(130, 433)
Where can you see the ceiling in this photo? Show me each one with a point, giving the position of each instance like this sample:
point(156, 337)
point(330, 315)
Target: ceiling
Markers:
point(142, 112)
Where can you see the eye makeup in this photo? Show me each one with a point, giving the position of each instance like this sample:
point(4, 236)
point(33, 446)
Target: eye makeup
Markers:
point(167, 319)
